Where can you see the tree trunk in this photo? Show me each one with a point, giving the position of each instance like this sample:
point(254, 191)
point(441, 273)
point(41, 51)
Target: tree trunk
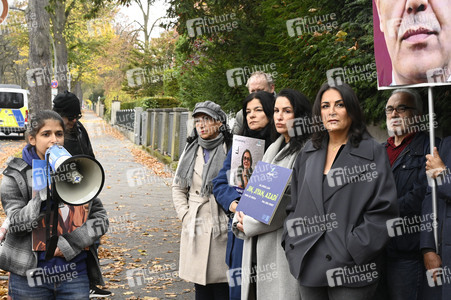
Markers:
point(39, 74)
point(59, 23)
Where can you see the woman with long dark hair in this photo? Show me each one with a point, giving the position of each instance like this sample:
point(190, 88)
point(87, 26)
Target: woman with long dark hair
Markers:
point(342, 195)
point(267, 259)
point(204, 223)
point(258, 110)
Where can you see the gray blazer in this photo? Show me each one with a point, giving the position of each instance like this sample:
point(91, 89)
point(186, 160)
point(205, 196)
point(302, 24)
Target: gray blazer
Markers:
point(338, 221)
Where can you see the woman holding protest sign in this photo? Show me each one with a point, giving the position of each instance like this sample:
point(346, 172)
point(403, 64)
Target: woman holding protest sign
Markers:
point(258, 111)
point(268, 262)
point(204, 223)
point(342, 195)
point(32, 276)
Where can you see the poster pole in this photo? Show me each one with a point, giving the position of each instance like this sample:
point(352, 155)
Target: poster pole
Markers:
point(433, 182)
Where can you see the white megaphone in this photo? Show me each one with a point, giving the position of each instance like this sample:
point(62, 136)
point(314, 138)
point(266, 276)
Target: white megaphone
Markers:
point(78, 179)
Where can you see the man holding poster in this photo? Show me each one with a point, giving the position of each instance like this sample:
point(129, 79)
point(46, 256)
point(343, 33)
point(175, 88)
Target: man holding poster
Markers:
point(417, 35)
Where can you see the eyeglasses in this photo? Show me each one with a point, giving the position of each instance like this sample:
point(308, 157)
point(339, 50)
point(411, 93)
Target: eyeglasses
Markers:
point(247, 158)
point(77, 117)
point(400, 109)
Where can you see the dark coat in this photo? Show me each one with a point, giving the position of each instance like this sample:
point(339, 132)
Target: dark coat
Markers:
point(444, 221)
point(411, 185)
point(359, 209)
point(76, 141)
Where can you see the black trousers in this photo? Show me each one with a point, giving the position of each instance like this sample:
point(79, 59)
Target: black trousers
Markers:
point(213, 291)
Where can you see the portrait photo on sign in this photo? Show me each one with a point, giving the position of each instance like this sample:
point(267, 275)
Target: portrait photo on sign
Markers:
point(246, 152)
point(412, 42)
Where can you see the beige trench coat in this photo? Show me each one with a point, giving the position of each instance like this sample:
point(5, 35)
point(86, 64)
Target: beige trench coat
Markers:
point(204, 231)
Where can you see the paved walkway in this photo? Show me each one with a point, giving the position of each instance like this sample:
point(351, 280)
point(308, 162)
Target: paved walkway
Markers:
point(142, 246)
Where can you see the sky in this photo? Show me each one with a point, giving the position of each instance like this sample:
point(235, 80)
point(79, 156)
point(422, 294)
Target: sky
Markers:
point(158, 9)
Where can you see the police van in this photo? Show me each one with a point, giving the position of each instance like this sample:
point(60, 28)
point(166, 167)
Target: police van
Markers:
point(13, 109)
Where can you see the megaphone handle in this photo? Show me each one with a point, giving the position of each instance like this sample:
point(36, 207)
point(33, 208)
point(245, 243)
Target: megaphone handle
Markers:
point(51, 241)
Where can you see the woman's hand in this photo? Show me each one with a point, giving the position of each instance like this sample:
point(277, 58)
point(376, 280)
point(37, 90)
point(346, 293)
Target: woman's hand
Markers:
point(240, 217)
point(434, 164)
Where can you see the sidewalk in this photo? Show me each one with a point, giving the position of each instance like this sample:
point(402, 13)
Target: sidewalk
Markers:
point(139, 254)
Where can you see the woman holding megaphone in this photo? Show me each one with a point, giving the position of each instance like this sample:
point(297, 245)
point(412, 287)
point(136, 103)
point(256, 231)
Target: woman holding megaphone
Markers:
point(63, 273)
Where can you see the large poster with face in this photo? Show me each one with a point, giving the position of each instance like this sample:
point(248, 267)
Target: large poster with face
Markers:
point(412, 42)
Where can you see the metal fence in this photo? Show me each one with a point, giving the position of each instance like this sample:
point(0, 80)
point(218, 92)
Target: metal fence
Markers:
point(163, 130)
point(126, 118)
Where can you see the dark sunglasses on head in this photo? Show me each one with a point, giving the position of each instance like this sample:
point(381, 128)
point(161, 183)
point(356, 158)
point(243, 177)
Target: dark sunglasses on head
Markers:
point(77, 117)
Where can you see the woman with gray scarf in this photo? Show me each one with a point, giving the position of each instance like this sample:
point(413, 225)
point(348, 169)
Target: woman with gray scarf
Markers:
point(204, 224)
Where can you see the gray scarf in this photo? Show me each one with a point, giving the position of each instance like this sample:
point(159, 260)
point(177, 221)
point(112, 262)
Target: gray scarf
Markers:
point(185, 169)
